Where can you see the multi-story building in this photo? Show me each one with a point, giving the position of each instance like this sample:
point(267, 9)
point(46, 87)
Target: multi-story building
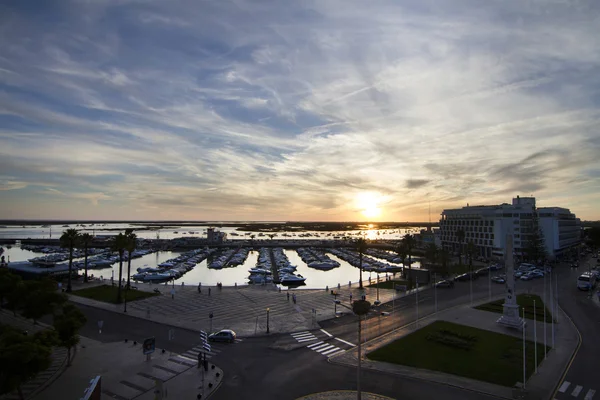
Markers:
point(487, 227)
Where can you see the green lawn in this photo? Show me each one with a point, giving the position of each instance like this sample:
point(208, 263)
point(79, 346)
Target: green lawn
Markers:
point(108, 294)
point(464, 351)
point(523, 300)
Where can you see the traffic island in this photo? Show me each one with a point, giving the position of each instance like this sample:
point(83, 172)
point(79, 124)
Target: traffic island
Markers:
point(343, 395)
point(524, 301)
point(108, 294)
point(464, 351)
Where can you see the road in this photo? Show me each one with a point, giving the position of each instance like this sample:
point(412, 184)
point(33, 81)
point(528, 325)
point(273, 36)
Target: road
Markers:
point(581, 380)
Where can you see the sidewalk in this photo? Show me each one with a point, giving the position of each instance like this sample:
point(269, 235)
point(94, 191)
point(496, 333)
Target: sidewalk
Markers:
point(45, 378)
point(126, 374)
point(242, 308)
point(539, 386)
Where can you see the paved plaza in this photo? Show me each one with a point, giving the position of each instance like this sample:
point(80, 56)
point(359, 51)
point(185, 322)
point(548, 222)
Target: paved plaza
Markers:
point(242, 308)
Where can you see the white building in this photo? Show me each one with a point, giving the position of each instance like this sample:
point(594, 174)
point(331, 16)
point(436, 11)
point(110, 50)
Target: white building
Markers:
point(487, 227)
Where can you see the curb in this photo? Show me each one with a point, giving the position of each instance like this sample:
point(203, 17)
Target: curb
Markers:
point(50, 381)
point(571, 359)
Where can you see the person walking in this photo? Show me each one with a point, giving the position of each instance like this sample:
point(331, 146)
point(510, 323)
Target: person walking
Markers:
point(294, 298)
point(209, 291)
point(199, 288)
point(288, 296)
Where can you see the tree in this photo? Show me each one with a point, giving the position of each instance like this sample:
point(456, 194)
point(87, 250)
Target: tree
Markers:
point(471, 251)
point(69, 239)
point(593, 237)
point(22, 357)
point(131, 244)
point(361, 247)
point(16, 297)
point(67, 325)
point(431, 253)
point(444, 258)
point(119, 245)
point(85, 239)
point(8, 283)
point(409, 244)
point(460, 237)
point(536, 244)
point(41, 298)
point(401, 251)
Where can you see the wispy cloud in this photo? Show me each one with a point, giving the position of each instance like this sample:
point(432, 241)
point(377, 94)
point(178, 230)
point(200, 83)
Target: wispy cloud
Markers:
point(250, 110)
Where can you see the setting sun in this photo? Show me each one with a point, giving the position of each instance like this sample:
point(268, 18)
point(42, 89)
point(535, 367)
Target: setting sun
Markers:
point(368, 204)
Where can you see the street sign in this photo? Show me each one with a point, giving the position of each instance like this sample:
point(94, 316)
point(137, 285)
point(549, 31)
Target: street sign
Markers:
point(205, 348)
point(149, 346)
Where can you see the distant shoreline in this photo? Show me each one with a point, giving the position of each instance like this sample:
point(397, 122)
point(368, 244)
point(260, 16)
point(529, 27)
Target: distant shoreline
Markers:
point(286, 226)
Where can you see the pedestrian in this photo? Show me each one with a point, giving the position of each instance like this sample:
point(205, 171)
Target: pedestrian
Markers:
point(173, 294)
point(294, 298)
point(181, 284)
point(280, 289)
point(209, 291)
point(199, 288)
point(288, 296)
point(350, 297)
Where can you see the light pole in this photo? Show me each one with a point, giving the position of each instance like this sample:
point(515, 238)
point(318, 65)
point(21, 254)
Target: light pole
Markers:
point(360, 308)
point(435, 291)
point(268, 309)
point(534, 337)
point(545, 271)
point(524, 358)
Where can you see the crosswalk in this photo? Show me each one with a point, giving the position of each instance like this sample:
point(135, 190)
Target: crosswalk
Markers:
point(191, 356)
point(576, 390)
point(322, 345)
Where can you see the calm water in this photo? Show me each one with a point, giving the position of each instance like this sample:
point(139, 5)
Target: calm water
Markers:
point(227, 276)
point(54, 232)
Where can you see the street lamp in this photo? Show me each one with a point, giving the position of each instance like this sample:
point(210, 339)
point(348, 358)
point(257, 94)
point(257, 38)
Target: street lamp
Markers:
point(268, 309)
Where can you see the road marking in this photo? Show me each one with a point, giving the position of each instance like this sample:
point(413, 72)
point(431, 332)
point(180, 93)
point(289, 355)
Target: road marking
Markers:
point(322, 349)
point(187, 358)
point(343, 341)
point(301, 333)
point(310, 346)
point(576, 391)
point(330, 351)
point(589, 394)
point(339, 352)
point(327, 333)
point(307, 340)
point(305, 337)
point(563, 388)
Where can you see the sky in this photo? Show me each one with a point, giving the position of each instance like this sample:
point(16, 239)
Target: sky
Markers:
point(305, 110)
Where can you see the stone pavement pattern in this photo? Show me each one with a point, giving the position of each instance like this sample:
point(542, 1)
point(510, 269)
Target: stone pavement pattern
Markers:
point(343, 395)
point(126, 374)
point(45, 378)
point(540, 386)
point(243, 309)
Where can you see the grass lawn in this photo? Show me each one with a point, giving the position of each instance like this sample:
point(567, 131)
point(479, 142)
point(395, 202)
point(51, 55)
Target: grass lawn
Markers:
point(390, 284)
point(464, 351)
point(523, 300)
point(108, 294)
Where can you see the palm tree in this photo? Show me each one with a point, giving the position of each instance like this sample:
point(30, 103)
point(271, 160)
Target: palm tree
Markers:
point(460, 236)
point(85, 239)
point(361, 247)
point(401, 251)
point(431, 253)
point(444, 258)
point(119, 245)
point(409, 242)
point(69, 239)
point(131, 244)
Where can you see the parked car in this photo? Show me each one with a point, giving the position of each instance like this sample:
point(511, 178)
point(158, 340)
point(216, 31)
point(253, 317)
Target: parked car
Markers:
point(498, 279)
point(526, 277)
point(495, 267)
point(224, 335)
point(444, 284)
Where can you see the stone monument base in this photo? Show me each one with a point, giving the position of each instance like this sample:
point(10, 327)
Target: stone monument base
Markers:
point(511, 317)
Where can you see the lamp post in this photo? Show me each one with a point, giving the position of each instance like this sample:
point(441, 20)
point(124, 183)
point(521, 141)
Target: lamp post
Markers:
point(360, 308)
point(268, 309)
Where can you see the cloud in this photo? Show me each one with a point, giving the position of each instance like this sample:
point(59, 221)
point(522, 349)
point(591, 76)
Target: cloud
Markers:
point(262, 111)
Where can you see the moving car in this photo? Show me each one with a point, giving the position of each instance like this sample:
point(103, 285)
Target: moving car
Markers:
point(466, 277)
point(444, 284)
point(498, 279)
point(224, 335)
point(586, 281)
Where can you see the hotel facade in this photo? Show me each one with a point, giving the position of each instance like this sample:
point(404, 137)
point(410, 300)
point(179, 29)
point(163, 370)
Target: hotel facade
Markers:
point(487, 227)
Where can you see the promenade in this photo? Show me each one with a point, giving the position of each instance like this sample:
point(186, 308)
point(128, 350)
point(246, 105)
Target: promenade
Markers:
point(242, 308)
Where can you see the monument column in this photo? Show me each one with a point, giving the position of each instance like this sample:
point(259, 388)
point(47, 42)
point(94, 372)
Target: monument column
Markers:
point(510, 315)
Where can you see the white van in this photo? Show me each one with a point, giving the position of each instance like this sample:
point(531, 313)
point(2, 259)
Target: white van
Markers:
point(586, 281)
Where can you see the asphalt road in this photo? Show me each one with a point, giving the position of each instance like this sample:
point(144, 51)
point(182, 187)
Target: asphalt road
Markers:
point(582, 376)
point(255, 370)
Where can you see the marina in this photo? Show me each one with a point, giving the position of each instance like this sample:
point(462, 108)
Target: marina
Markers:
point(307, 267)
